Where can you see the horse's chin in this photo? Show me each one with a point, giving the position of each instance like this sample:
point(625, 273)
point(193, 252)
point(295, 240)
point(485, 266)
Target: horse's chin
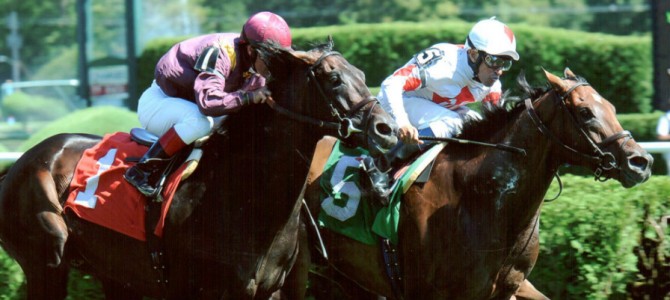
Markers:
point(378, 147)
point(631, 178)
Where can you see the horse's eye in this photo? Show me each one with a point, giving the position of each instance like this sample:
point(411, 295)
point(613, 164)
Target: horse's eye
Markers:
point(335, 79)
point(585, 113)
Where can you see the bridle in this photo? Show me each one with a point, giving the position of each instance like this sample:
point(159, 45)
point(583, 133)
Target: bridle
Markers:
point(344, 126)
point(604, 161)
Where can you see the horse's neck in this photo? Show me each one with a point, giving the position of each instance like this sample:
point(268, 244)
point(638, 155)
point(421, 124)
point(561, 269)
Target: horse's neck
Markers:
point(510, 186)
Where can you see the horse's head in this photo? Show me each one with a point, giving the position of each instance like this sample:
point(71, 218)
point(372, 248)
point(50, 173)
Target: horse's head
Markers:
point(588, 130)
point(321, 87)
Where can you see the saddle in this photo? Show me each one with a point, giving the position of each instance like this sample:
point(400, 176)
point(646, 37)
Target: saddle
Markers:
point(99, 194)
point(191, 155)
point(346, 206)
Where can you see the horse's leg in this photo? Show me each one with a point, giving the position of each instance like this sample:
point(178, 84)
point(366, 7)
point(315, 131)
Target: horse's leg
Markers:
point(114, 290)
point(528, 291)
point(42, 250)
point(52, 230)
point(329, 284)
point(45, 282)
point(295, 286)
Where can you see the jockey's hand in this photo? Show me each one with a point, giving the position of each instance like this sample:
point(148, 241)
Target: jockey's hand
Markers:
point(259, 95)
point(408, 134)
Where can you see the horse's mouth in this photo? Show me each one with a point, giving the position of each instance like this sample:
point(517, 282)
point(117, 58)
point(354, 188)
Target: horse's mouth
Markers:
point(630, 177)
point(379, 147)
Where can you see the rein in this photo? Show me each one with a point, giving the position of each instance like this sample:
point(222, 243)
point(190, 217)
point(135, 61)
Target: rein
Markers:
point(462, 141)
point(605, 160)
point(343, 126)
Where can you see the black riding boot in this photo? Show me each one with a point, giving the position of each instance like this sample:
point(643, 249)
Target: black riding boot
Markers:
point(377, 169)
point(146, 174)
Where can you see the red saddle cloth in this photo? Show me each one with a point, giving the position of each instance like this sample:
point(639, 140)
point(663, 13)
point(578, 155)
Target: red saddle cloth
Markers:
point(99, 194)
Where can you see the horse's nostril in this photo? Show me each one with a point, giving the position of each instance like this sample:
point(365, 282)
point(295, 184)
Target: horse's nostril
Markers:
point(639, 162)
point(383, 128)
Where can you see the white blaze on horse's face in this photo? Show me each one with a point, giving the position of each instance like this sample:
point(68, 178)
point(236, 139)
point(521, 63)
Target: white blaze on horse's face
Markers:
point(597, 97)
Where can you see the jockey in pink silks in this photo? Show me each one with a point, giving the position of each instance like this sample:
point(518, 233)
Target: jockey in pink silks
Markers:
point(198, 80)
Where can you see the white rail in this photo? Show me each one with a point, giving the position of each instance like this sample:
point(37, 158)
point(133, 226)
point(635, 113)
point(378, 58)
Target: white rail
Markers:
point(661, 148)
point(10, 156)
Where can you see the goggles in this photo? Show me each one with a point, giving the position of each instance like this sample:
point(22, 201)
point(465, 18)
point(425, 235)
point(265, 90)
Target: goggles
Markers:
point(497, 62)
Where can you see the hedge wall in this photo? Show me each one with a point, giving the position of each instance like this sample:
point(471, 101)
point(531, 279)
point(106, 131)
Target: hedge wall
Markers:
point(620, 68)
point(587, 236)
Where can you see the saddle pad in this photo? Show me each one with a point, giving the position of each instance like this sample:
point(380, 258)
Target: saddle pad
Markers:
point(99, 194)
point(346, 210)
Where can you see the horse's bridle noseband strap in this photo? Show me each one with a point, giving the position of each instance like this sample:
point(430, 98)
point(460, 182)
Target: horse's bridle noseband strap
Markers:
point(605, 160)
point(344, 126)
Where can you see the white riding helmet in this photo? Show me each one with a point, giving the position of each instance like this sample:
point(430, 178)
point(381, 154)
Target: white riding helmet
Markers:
point(492, 37)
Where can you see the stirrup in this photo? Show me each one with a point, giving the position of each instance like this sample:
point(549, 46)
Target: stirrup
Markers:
point(140, 180)
point(379, 181)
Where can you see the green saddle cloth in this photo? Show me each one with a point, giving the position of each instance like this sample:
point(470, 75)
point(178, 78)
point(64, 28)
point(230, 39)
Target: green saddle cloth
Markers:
point(345, 210)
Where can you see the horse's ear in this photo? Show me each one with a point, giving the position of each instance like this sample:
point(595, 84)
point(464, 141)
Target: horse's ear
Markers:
point(302, 56)
point(567, 73)
point(331, 43)
point(555, 81)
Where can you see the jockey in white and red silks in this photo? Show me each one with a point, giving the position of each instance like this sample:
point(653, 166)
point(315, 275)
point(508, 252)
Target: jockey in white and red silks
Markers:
point(427, 95)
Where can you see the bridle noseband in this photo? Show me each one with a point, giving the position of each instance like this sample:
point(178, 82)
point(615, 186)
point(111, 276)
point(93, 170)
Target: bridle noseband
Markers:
point(605, 161)
point(344, 126)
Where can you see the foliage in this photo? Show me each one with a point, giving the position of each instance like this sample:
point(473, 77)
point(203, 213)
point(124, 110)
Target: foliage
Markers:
point(587, 236)
point(11, 279)
point(25, 107)
point(49, 28)
point(153, 51)
point(612, 64)
point(62, 66)
point(95, 120)
point(642, 126)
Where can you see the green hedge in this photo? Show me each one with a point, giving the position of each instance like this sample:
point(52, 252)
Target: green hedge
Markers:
point(26, 107)
point(94, 120)
point(619, 67)
point(588, 234)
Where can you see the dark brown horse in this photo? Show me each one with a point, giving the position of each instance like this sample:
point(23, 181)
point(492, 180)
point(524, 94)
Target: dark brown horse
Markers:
point(231, 232)
point(471, 230)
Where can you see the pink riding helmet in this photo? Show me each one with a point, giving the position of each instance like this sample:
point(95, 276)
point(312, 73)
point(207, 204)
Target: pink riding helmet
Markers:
point(264, 26)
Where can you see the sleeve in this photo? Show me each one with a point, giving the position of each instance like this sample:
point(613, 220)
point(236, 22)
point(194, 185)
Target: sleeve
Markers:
point(494, 94)
point(211, 96)
point(405, 79)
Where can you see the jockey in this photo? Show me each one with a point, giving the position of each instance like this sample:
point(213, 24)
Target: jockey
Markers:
point(198, 80)
point(427, 95)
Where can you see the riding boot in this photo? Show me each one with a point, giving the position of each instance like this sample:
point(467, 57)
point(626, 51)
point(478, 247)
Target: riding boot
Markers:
point(147, 174)
point(377, 169)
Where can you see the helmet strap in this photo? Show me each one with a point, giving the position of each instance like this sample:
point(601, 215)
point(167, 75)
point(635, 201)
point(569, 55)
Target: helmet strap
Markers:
point(475, 65)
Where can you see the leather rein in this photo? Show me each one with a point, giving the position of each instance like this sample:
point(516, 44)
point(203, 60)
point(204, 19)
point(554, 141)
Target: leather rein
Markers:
point(605, 161)
point(344, 125)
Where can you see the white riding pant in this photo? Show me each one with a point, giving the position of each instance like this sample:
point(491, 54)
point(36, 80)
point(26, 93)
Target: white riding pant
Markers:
point(423, 114)
point(159, 112)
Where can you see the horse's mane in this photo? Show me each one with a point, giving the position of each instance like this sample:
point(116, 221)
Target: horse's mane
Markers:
point(495, 117)
point(273, 49)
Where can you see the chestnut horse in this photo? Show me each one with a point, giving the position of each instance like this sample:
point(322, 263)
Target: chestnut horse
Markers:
point(471, 230)
point(232, 230)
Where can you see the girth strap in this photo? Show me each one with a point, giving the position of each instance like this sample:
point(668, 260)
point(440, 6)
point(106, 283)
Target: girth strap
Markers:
point(392, 266)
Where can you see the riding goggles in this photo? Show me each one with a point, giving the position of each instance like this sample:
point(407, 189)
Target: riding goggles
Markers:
point(498, 62)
